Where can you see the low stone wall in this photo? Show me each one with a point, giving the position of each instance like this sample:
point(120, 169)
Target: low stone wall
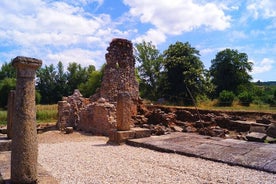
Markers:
point(98, 117)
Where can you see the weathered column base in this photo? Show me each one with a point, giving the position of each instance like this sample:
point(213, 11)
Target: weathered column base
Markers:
point(120, 137)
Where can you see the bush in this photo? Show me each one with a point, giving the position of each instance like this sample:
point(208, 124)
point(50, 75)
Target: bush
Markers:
point(226, 98)
point(245, 98)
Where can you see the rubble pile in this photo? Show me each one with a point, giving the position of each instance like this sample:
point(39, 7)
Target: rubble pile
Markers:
point(161, 120)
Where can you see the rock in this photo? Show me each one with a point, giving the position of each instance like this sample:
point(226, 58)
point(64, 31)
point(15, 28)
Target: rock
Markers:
point(189, 129)
point(177, 128)
point(271, 130)
point(214, 131)
point(3, 130)
point(184, 115)
point(69, 130)
point(158, 130)
point(263, 120)
point(257, 128)
point(256, 136)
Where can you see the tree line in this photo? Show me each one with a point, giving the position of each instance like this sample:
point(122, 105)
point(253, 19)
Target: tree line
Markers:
point(176, 76)
point(53, 82)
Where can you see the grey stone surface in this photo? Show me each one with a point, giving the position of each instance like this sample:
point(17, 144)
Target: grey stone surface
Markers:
point(256, 136)
point(253, 155)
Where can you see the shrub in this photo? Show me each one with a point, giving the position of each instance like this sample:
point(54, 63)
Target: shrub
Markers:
point(245, 98)
point(226, 98)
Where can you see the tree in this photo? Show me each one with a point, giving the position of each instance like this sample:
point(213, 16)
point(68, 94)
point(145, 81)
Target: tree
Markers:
point(75, 76)
point(229, 70)
point(61, 87)
point(6, 85)
point(7, 71)
point(150, 70)
point(93, 83)
point(47, 85)
point(183, 70)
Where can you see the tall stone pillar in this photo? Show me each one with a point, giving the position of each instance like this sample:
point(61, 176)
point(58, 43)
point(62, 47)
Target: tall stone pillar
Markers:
point(24, 141)
point(10, 113)
point(123, 112)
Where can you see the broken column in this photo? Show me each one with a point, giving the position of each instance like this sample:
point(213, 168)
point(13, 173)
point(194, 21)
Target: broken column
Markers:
point(24, 141)
point(10, 113)
point(123, 112)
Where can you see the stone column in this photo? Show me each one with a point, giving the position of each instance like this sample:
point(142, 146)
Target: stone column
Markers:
point(10, 113)
point(123, 112)
point(24, 141)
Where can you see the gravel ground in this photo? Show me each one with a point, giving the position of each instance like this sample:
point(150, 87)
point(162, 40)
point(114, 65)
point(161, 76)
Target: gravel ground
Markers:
point(78, 158)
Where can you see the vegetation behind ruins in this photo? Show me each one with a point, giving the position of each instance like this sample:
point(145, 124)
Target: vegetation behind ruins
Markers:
point(175, 77)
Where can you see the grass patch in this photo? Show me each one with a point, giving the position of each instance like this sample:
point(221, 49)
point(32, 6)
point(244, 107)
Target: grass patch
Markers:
point(44, 114)
point(3, 117)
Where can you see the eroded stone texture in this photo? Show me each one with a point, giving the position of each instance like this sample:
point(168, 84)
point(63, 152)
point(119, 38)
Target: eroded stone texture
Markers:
point(123, 111)
point(24, 141)
point(69, 110)
point(99, 114)
point(119, 73)
point(10, 113)
point(98, 117)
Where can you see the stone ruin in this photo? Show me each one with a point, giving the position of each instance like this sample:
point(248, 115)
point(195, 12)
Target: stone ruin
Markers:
point(116, 109)
point(97, 114)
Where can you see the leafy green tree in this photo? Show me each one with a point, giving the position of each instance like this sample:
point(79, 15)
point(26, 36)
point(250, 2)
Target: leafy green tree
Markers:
point(7, 71)
point(150, 70)
point(184, 70)
point(93, 83)
point(61, 87)
point(75, 76)
point(6, 85)
point(46, 84)
point(229, 70)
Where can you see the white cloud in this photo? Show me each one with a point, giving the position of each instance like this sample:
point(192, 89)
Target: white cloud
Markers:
point(262, 8)
point(264, 66)
point(85, 57)
point(176, 17)
point(153, 35)
point(49, 30)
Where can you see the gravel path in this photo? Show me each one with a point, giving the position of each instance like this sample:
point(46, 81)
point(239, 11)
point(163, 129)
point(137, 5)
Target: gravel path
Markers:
point(77, 158)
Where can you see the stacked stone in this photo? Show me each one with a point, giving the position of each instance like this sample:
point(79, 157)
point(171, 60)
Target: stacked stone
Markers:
point(98, 117)
point(119, 73)
point(69, 110)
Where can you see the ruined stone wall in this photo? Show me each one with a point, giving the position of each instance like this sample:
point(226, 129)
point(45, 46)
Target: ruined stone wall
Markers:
point(119, 73)
point(98, 117)
point(98, 114)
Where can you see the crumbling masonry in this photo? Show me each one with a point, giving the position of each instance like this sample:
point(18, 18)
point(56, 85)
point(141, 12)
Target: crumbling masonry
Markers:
point(97, 114)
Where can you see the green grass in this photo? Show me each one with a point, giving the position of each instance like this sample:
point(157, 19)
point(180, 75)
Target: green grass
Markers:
point(3, 117)
point(44, 114)
point(212, 105)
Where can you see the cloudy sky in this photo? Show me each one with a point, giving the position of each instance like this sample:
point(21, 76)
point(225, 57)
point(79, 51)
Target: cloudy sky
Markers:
point(80, 30)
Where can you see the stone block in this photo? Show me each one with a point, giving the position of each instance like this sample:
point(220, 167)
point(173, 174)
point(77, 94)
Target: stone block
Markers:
point(257, 128)
point(119, 137)
point(271, 130)
point(256, 136)
point(141, 132)
point(69, 130)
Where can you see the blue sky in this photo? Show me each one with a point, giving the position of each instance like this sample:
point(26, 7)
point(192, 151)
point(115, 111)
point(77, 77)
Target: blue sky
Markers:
point(80, 30)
